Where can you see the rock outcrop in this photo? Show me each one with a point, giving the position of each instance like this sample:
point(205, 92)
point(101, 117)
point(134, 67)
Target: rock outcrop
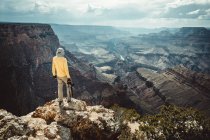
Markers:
point(76, 120)
point(13, 127)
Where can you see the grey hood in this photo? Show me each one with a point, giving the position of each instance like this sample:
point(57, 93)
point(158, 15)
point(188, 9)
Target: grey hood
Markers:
point(60, 52)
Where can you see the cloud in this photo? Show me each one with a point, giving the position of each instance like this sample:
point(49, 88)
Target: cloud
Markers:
point(110, 12)
point(186, 10)
point(194, 12)
point(122, 13)
point(206, 16)
point(157, 23)
point(178, 3)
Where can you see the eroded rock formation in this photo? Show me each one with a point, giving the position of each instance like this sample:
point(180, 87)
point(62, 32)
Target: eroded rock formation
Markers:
point(179, 86)
point(26, 50)
point(26, 82)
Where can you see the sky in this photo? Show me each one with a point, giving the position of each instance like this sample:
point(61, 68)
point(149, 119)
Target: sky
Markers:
point(120, 13)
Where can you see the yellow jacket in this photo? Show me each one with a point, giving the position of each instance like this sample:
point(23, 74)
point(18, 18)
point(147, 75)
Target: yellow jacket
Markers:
point(60, 67)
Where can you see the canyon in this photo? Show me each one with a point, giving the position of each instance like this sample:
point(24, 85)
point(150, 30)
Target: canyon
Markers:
point(125, 86)
point(26, 55)
point(108, 66)
point(145, 65)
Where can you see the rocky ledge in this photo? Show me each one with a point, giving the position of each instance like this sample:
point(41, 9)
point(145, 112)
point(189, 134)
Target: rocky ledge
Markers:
point(76, 120)
point(52, 121)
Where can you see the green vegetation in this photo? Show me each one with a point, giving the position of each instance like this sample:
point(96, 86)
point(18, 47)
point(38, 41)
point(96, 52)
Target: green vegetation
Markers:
point(172, 123)
point(123, 114)
point(177, 123)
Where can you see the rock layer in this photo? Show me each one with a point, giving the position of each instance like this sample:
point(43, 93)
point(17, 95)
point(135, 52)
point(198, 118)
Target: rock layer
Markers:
point(25, 50)
point(179, 86)
point(25, 70)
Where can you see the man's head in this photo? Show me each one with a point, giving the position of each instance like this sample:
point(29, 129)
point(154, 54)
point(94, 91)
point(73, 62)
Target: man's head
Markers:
point(60, 52)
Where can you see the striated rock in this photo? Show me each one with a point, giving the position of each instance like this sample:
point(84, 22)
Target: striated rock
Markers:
point(178, 86)
point(142, 93)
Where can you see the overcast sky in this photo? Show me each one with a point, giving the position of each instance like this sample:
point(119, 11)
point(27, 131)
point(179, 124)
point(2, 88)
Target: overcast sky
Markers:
point(124, 13)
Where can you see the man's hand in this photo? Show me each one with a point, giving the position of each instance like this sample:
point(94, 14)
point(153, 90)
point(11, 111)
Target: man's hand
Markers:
point(69, 81)
point(54, 76)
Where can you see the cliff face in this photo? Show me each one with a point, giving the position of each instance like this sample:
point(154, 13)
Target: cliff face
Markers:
point(93, 87)
point(26, 80)
point(26, 50)
point(25, 70)
point(179, 86)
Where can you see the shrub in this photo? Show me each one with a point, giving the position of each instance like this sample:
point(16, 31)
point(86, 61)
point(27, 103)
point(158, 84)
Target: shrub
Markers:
point(172, 123)
point(123, 114)
point(176, 123)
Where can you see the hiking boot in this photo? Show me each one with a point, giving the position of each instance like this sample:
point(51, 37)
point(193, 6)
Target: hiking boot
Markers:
point(60, 103)
point(69, 100)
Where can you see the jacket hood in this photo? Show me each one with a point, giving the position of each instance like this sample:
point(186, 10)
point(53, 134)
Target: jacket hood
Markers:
point(60, 52)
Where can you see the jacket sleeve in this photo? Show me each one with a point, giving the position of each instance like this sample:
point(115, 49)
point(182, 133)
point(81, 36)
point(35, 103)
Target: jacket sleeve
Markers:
point(66, 69)
point(53, 68)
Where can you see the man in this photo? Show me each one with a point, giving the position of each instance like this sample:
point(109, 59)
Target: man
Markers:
point(61, 72)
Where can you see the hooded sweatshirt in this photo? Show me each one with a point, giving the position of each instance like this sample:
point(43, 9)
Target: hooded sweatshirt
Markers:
point(59, 64)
